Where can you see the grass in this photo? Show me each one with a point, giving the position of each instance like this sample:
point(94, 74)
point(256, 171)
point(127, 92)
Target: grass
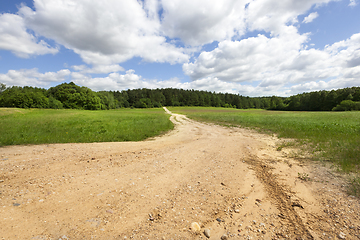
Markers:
point(354, 187)
point(330, 136)
point(42, 126)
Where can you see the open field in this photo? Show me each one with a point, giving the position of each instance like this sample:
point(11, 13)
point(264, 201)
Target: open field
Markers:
point(40, 126)
point(330, 136)
point(233, 182)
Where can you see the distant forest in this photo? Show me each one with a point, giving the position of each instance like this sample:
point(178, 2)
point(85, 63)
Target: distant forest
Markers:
point(71, 96)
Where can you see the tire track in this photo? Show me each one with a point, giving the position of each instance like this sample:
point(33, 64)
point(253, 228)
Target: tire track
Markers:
point(278, 194)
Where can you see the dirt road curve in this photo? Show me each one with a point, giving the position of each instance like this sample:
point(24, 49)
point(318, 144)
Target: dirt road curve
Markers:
point(230, 181)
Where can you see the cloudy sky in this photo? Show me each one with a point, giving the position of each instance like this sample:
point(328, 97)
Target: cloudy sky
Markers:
point(247, 47)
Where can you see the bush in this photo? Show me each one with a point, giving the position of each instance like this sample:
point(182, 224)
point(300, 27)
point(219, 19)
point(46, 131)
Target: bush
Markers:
point(347, 105)
point(75, 97)
point(26, 97)
point(54, 103)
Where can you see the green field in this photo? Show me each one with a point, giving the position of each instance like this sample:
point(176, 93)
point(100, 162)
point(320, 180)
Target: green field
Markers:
point(330, 136)
point(40, 126)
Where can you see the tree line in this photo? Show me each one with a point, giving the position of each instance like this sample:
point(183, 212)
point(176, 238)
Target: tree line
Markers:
point(71, 96)
point(345, 99)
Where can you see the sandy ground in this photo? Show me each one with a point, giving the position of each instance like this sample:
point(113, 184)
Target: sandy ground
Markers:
point(232, 182)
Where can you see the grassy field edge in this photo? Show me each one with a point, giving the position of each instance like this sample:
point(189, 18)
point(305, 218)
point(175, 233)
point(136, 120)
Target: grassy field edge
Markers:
point(46, 126)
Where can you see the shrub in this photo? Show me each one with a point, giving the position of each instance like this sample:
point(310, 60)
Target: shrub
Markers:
point(347, 105)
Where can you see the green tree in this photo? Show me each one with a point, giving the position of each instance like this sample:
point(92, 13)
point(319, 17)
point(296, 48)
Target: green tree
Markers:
point(144, 103)
point(54, 103)
point(2, 87)
point(23, 97)
point(276, 103)
point(73, 96)
point(107, 100)
point(347, 105)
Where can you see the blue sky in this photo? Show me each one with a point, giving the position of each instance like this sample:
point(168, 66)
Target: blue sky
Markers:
point(247, 47)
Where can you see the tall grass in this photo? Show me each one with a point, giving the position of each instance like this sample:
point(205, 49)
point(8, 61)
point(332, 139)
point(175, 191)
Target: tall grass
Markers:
point(39, 126)
point(333, 136)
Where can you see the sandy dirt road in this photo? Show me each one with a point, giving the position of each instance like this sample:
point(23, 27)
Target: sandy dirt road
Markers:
point(232, 182)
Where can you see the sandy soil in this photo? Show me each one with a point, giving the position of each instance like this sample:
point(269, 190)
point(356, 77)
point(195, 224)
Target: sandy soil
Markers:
point(231, 181)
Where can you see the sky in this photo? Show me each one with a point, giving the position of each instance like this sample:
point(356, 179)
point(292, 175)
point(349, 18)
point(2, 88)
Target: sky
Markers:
point(247, 47)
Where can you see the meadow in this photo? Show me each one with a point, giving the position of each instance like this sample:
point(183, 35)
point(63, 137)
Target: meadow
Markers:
point(329, 136)
point(42, 126)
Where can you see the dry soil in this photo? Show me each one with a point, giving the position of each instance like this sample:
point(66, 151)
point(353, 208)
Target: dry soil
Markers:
point(231, 181)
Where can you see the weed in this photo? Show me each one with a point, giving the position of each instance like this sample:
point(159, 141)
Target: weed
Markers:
point(354, 187)
point(304, 176)
point(285, 144)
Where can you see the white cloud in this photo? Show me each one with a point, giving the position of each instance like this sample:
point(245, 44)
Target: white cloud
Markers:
point(280, 61)
point(32, 77)
point(277, 16)
point(15, 38)
point(352, 3)
point(98, 69)
point(310, 17)
point(103, 32)
point(203, 21)
point(250, 59)
point(341, 82)
point(116, 81)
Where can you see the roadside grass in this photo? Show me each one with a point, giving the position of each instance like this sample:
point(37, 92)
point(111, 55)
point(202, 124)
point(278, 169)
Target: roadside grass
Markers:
point(329, 136)
point(354, 186)
point(43, 126)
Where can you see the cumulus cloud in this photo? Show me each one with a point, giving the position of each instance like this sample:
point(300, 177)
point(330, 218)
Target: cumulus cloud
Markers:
point(310, 17)
point(117, 81)
point(341, 82)
point(98, 69)
point(274, 62)
point(250, 59)
point(352, 3)
point(15, 38)
point(203, 21)
point(32, 77)
point(277, 16)
point(103, 32)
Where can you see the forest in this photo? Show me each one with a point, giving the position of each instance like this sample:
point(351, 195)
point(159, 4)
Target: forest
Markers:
point(71, 96)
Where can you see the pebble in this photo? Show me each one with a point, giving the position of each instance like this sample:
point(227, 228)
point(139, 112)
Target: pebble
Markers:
point(342, 235)
point(195, 227)
point(224, 237)
point(237, 210)
point(207, 233)
point(218, 219)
